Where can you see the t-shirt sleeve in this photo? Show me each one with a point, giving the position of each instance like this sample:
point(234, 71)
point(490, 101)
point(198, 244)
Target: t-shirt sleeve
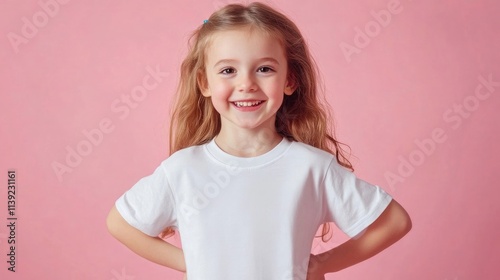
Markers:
point(351, 203)
point(149, 205)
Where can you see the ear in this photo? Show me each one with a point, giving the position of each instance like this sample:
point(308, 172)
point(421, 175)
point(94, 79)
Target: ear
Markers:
point(201, 79)
point(290, 88)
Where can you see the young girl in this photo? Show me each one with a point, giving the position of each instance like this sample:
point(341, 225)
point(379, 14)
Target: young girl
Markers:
point(254, 167)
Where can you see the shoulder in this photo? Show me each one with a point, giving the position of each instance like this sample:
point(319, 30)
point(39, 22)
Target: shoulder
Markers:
point(189, 152)
point(305, 151)
point(184, 157)
point(314, 158)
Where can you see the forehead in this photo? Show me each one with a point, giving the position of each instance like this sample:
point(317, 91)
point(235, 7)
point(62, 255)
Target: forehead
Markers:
point(243, 44)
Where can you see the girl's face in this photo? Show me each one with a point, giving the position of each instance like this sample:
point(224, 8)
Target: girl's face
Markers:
point(246, 78)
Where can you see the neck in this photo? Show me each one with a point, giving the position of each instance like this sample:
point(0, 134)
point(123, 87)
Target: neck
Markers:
point(247, 142)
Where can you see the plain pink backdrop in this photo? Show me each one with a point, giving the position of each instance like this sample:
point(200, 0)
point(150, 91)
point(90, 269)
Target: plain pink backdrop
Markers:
point(69, 67)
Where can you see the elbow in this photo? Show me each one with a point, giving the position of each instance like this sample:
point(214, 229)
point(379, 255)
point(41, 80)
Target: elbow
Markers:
point(112, 222)
point(404, 223)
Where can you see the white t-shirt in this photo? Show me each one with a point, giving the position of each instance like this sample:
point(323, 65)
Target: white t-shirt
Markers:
point(250, 218)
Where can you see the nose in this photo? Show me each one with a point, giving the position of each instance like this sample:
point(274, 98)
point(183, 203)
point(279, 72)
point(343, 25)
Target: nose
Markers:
point(247, 83)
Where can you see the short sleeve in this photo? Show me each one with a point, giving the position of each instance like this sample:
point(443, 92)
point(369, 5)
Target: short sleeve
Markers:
point(149, 205)
point(351, 203)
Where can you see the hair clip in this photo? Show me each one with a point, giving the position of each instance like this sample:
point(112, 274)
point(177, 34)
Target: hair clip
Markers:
point(205, 21)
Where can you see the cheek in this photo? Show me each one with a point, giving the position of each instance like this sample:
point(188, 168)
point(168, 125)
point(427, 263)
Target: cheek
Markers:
point(221, 89)
point(275, 89)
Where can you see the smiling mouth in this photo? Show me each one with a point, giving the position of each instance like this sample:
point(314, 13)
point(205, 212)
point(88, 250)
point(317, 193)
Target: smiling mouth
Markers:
point(247, 103)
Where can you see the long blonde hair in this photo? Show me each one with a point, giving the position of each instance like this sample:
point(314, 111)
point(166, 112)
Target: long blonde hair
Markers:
point(303, 116)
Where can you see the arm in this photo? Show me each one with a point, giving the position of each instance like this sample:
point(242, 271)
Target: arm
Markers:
point(152, 248)
point(390, 226)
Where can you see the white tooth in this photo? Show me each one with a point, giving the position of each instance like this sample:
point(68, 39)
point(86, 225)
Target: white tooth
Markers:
point(246, 104)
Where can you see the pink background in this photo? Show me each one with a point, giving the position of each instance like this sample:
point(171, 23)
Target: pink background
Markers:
point(406, 82)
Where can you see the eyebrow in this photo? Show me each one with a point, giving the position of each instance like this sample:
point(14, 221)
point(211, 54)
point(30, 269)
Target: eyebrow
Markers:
point(228, 61)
